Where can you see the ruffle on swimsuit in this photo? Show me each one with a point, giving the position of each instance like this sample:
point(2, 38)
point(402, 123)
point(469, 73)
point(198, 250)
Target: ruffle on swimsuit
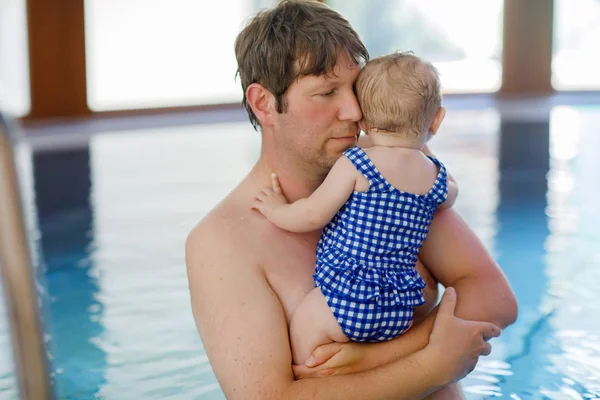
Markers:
point(388, 286)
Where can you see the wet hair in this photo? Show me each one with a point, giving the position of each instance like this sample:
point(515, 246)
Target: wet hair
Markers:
point(399, 92)
point(295, 38)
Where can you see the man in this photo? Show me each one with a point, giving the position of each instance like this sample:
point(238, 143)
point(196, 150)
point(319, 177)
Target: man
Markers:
point(298, 63)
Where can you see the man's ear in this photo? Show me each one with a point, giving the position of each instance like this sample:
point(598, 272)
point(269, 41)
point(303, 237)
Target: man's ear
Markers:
point(262, 103)
point(437, 121)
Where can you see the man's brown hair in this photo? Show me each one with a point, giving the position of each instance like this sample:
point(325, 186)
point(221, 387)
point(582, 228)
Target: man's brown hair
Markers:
point(295, 38)
point(399, 92)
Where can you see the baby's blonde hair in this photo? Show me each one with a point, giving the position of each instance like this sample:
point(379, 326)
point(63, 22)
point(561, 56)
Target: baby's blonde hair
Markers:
point(399, 93)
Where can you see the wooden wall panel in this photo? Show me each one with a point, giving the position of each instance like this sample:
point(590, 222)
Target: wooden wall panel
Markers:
point(527, 55)
point(57, 58)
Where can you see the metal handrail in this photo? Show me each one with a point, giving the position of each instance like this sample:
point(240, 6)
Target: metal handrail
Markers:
point(19, 284)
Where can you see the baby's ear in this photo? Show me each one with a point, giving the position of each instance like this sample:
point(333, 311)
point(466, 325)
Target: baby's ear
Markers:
point(437, 120)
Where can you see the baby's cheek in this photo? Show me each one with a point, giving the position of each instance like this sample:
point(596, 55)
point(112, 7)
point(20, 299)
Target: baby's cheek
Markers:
point(430, 293)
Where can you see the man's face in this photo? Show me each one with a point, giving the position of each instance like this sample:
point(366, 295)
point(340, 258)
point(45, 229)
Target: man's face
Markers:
point(321, 120)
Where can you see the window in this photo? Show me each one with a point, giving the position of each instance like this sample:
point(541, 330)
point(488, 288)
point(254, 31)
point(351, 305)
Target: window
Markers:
point(575, 62)
point(462, 37)
point(14, 59)
point(161, 53)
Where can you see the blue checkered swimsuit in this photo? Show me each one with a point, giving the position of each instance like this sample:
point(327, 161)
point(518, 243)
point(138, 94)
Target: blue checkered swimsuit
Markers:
point(367, 254)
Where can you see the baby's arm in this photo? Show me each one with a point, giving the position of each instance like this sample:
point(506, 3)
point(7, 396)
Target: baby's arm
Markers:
point(315, 211)
point(452, 194)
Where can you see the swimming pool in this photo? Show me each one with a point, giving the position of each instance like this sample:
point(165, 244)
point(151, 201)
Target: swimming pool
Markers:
point(114, 214)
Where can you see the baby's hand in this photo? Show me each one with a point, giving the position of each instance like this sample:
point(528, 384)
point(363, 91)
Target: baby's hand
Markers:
point(270, 199)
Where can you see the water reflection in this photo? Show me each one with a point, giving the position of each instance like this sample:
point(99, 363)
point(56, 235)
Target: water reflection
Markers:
point(546, 242)
point(573, 254)
point(72, 311)
point(62, 181)
point(520, 243)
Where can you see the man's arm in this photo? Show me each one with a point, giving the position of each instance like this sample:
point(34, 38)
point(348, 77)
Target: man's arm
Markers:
point(244, 332)
point(456, 257)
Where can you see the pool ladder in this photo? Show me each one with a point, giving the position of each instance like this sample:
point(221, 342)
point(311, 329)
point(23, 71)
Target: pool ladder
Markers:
point(16, 271)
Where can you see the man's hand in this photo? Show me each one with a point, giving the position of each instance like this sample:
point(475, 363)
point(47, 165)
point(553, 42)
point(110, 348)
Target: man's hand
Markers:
point(456, 339)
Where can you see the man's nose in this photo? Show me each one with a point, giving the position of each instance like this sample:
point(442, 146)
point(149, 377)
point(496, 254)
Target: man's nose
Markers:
point(349, 109)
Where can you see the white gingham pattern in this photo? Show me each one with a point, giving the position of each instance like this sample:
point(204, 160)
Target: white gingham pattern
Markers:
point(367, 254)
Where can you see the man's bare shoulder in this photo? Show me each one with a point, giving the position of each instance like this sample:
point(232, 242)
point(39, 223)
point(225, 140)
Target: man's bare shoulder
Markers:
point(220, 225)
point(227, 235)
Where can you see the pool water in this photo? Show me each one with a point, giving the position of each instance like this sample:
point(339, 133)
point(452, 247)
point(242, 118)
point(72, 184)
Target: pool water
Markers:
point(110, 220)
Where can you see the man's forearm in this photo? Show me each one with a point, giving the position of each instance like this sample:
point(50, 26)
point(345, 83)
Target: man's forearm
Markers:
point(418, 379)
point(376, 354)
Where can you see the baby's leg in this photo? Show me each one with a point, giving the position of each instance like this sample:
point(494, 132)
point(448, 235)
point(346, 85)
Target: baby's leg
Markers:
point(313, 325)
